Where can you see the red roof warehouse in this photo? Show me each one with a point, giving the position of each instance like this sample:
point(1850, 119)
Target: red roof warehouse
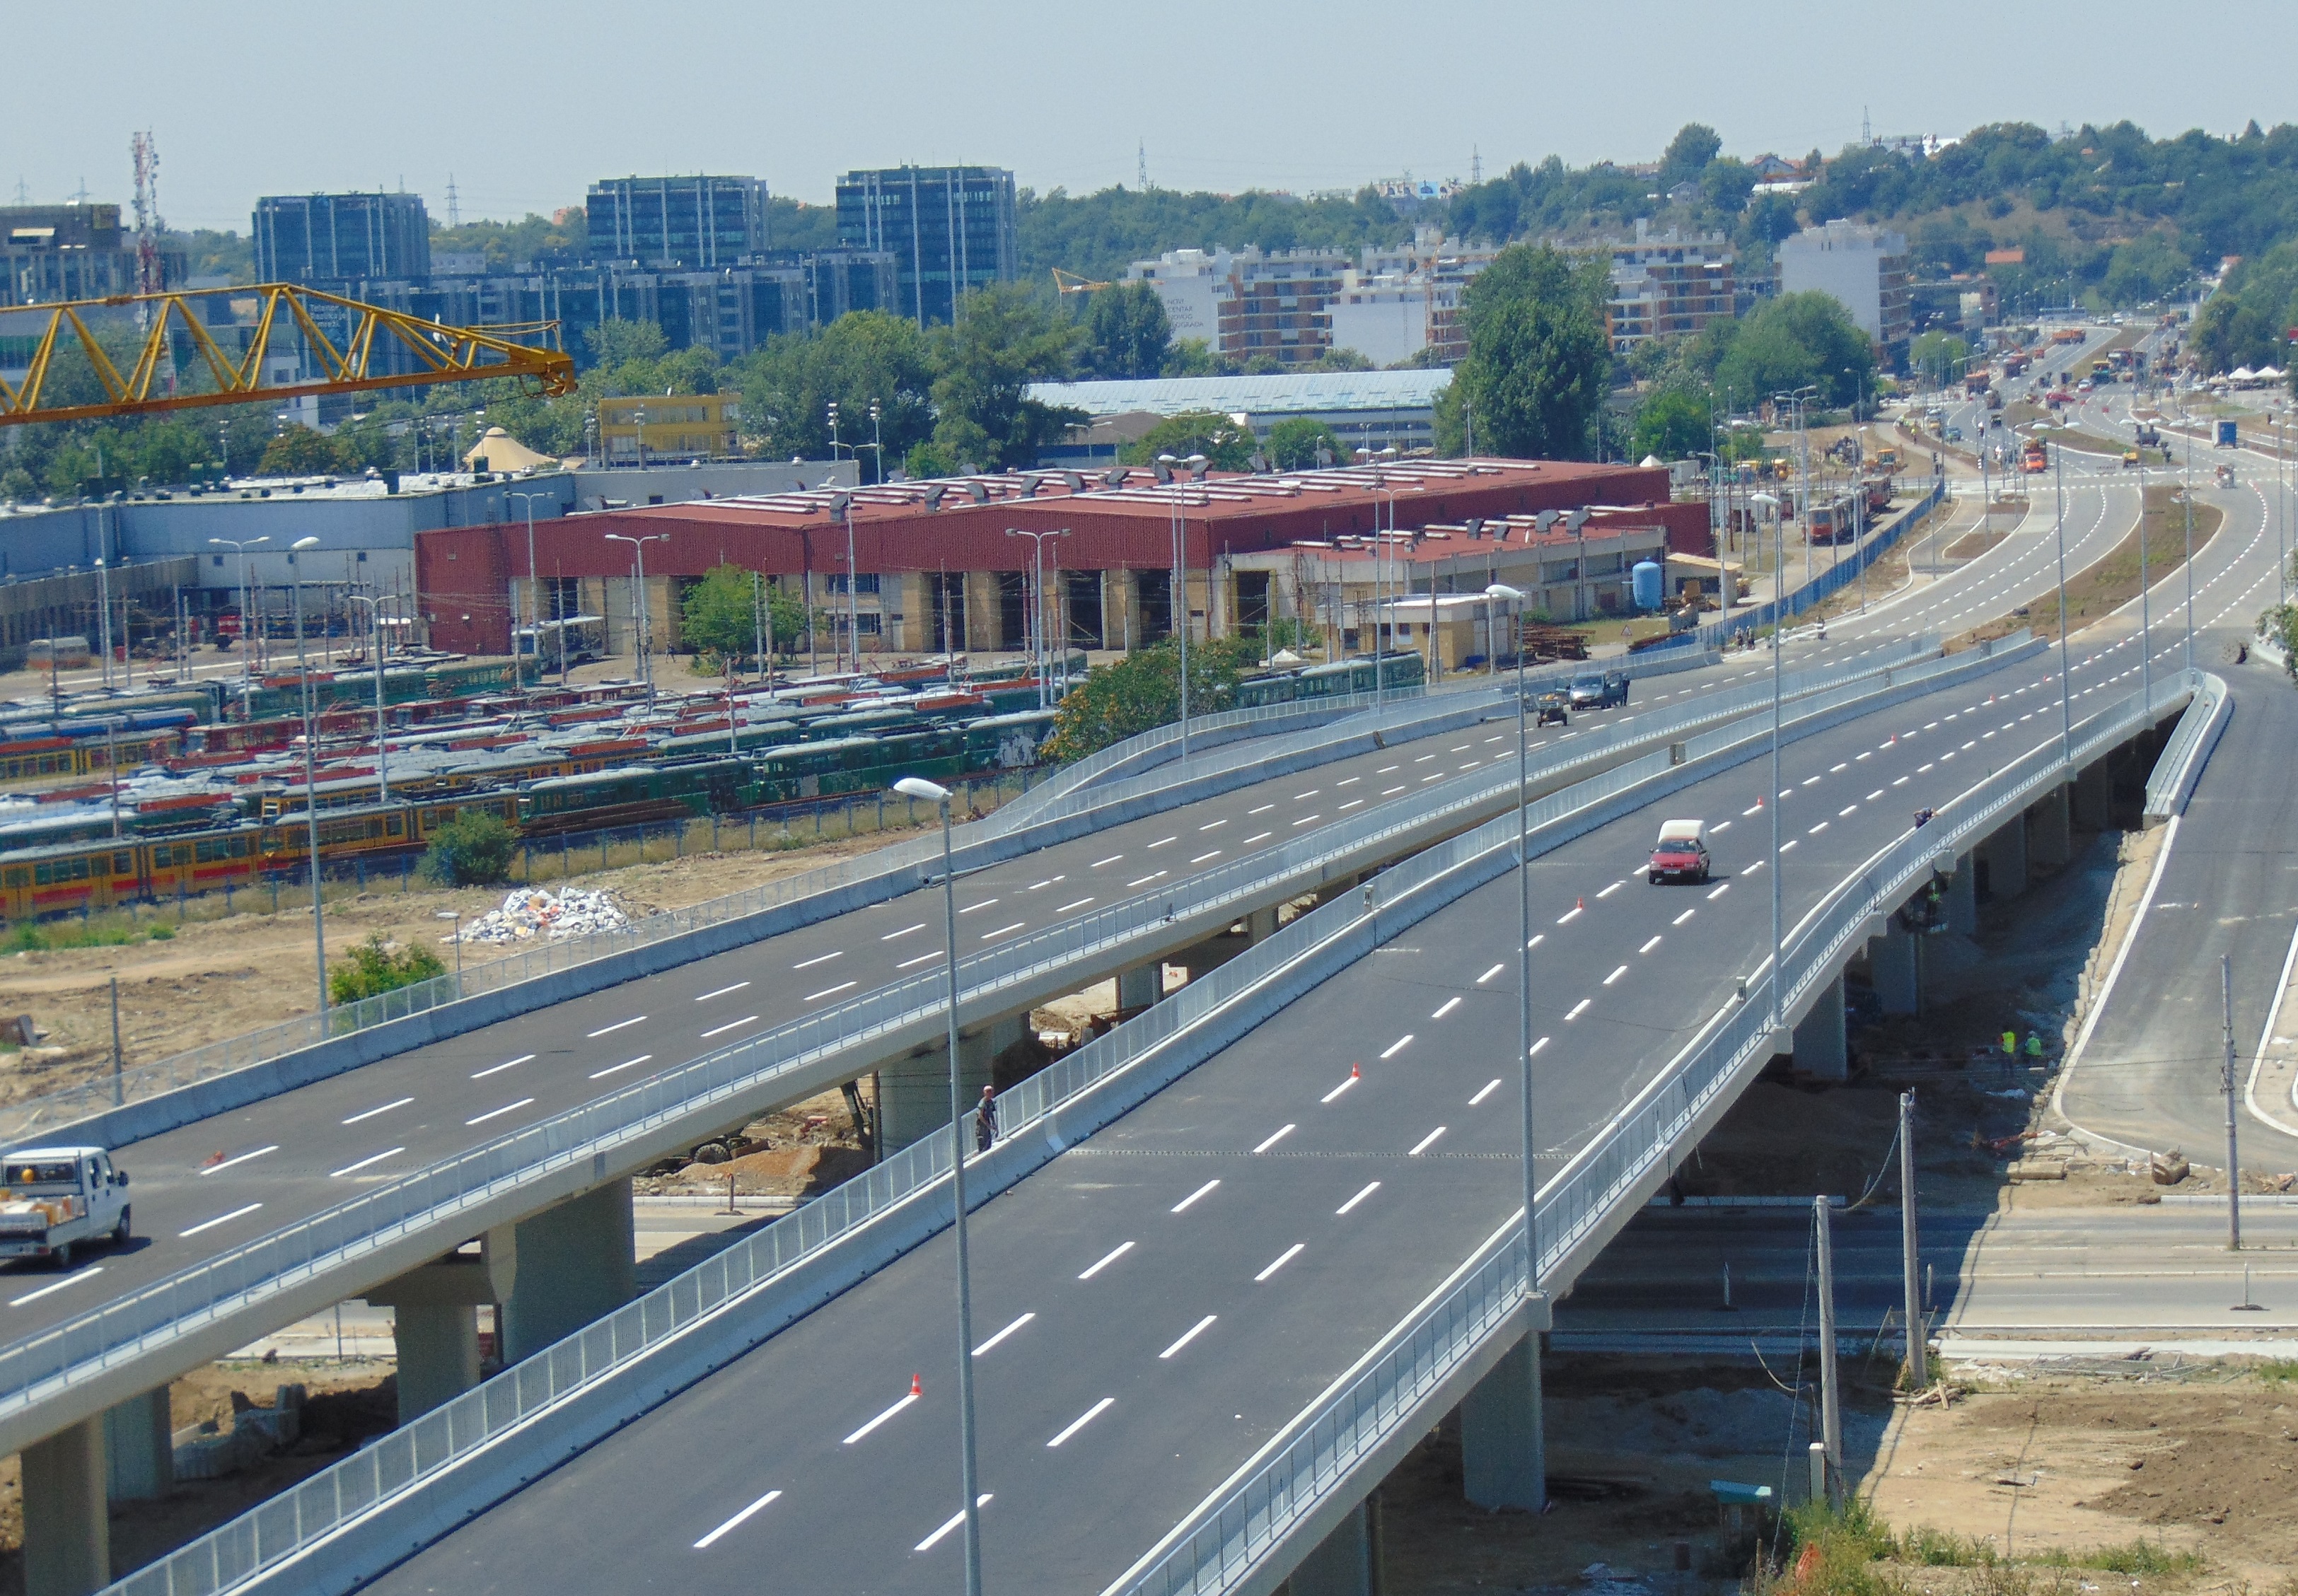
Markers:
point(938, 568)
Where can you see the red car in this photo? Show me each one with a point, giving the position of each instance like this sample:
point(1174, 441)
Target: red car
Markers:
point(1681, 854)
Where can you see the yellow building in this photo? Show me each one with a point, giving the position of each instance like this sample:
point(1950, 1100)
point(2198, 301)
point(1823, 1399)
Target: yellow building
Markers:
point(667, 427)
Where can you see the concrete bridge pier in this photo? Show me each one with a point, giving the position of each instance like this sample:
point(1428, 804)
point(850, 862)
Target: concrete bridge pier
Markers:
point(1503, 1442)
point(2092, 797)
point(574, 1263)
point(913, 1093)
point(435, 1319)
point(67, 1538)
point(1348, 1561)
point(1141, 986)
point(1895, 960)
point(2050, 828)
point(1821, 1047)
point(139, 1447)
point(2005, 854)
point(1961, 891)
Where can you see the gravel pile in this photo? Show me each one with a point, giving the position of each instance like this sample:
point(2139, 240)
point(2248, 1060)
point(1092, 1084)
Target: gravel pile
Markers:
point(532, 911)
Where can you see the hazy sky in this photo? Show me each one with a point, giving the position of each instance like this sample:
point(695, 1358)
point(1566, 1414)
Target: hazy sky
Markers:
point(525, 103)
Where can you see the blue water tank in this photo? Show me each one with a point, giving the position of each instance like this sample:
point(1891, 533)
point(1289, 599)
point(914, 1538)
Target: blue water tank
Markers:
point(1648, 584)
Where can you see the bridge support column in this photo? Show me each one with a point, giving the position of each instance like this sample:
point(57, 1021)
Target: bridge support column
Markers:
point(1141, 986)
point(1895, 959)
point(139, 1447)
point(1503, 1443)
point(2094, 798)
point(1259, 926)
point(913, 1095)
point(1821, 1047)
point(1963, 896)
point(574, 1263)
point(2007, 859)
point(2050, 828)
point(1346, 1562)
point(67, 1538)
point(435, 1319)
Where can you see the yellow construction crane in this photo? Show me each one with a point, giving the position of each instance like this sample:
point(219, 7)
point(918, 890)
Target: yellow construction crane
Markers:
point(1068, 282)
point(440, 353)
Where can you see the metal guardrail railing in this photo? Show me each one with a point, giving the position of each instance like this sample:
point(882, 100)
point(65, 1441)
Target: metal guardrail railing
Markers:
point(2170, 776)
point(328, 1500)
point(1229, 1536)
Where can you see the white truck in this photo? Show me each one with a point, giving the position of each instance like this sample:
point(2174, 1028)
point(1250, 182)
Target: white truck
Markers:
point(52, 1199)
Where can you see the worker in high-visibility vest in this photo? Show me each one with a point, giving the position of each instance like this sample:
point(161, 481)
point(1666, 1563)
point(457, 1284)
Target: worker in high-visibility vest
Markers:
point(2011, 1044)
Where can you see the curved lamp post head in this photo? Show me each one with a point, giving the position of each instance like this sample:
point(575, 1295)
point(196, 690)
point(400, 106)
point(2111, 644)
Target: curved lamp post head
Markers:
point(1501, 592)
point(918, 787)
point(300, 543)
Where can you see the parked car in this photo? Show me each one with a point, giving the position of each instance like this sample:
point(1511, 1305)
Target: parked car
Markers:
point(56, 1198)
point(1600, 690)
point(1680, 855)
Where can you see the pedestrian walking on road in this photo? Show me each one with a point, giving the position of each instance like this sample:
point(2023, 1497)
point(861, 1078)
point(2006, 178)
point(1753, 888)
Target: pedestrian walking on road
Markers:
point(985, 1121)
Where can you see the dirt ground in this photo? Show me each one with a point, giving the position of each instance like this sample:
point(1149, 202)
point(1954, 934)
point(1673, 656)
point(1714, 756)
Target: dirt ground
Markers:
point(222, 976)
point(2114, 582)
point(344, 1403)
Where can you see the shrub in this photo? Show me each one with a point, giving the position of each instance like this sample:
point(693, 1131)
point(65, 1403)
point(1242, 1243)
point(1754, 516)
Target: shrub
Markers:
point(470, 850)
point(373, 967)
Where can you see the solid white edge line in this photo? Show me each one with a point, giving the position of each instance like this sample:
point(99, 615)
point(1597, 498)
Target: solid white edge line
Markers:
point(1284, 1258)
point(1369, 1190)
point(2106, 988)
point(353, 1168)
point(1188, 1335)
point(1200, 1191)
point(1083, 1418)
point(957, 1518)
point(1003, 1333)
point(1116, 1253)
point(386, 1108)
point(2266, 1037)
point(908, 1398)
point(708, 1540)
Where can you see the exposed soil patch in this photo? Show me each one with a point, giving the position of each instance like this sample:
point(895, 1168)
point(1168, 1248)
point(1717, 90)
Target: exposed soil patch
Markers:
point(2114, 582)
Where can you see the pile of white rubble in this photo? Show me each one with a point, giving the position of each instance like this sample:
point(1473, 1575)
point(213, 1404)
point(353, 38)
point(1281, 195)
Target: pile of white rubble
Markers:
point(532, 911)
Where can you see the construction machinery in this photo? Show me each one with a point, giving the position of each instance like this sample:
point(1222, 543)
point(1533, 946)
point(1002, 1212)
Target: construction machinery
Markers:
point(1068, 282)
point(369, 341)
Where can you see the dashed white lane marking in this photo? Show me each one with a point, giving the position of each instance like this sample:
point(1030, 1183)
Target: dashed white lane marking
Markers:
point(990, 1344)
point(730, 1025)
point(1488, 974)
point(844, 986)
point(739, 985)
point(34, 1296)
point(952, 1522)
point(1426, 1142)
point(1615, 975)
point(1083, 1420)
point(1648, 946)
point(1398, 1046)
point(523, 1058)
point(1569, 915)
point(353, 1168)
point(735, 1523)
point(1002, 930)
point(1097, 863)
point(1284, 1258)
point(1190, 1335)
point(1200, 858)
point(1449, 1005)
point(1078, 904)
point(1145, 880)
point(1108, 1258)
point(1680, 919)
point(888, 937)
point(922, 958)
point(1486, 1090)
point(619, 1025)
point(1579, 1008)
point(1370, 1187)
point(224, 1219)
point(1280, 1134)
point(628, 1063)
point(909, 1399)
point(836, 953)
point(1346, 1082)
point(1608, 891)
point(396, 1102)
point(1183, 1206)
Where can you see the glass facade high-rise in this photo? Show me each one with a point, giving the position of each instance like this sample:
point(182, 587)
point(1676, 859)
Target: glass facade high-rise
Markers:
point(341, 237)
point(950, 229)
point(668, 223)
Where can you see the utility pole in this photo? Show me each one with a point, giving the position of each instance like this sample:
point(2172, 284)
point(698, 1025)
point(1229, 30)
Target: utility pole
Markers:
point(1830, 1420)
point(1918, 1354)
point(2234, 1155)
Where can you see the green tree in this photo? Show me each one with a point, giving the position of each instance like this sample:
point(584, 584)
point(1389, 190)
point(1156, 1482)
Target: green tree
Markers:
point(374, 967)
point(719, 619)
point(473, 850)
point(1126, 331)
point(1938, 357)
point(865, 357)
point(1539, 358)
point(618, 342)
point(1795, 341)
point(1670, 423)
point(1142, 691)
point(299, 451)
point(1194, 357)
point(1003, 340)
point(1689, 153)
point(1226, 443)
point(1339, 359)
point(1293, 445)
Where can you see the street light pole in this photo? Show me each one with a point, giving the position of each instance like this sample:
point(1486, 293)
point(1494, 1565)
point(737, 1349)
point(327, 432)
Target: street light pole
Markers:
point(534, 587)
point(382, 750)
point(240, 547)
point(645, 657)
point(2059, 532)
point(1038, 644)
point(1497, 593)
point(917, 787)
point(1772, 797)
point(2187, 493)
point(311, 774)
point(1178, 604)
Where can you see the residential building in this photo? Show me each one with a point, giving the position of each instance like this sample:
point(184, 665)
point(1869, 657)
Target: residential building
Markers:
point(950, 230)
point(1665, 285)
point(342, 238)
point(1863, 267)
point(1249, 303)
point(1384, 318)
point(667, 427)
point(1368, 409)
point(1190, 285)
point(50, 252)
point(934, 568)
point(667, 223)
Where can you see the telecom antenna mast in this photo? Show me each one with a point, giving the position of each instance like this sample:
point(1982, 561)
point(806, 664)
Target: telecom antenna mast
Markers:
point(150, 274)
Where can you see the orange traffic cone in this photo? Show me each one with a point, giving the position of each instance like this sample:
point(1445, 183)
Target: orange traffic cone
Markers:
point(917, 1385)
